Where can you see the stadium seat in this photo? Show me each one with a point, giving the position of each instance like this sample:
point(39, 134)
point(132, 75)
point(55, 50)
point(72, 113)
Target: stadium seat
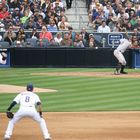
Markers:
point(32, 42)
point(4, 44)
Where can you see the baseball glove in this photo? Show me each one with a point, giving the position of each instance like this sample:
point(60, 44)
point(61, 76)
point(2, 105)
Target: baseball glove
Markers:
point(9, 114)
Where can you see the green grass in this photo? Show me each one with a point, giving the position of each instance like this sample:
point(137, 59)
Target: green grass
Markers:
point(75, 93)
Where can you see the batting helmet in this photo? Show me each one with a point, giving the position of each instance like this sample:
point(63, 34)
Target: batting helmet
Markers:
point(30, 87)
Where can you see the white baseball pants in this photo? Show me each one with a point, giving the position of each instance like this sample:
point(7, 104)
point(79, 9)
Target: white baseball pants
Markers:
point(120, 57)
point(27, 112)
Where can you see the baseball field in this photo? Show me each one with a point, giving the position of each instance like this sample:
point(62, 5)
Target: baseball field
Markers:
point(78, 103)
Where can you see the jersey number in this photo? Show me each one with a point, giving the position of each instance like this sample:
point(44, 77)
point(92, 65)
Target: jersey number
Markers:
point(27, 99)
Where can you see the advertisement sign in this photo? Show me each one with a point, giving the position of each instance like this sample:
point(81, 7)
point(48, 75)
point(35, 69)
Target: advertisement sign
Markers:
point(114, 39)
point(4, 58)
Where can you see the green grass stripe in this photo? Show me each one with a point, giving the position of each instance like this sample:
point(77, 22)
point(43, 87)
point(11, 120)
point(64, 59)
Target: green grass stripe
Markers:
point(75, 93)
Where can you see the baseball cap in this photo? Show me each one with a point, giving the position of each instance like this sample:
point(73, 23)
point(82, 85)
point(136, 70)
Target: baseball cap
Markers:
point(30, 87)
point(91, 35)
point(16, 9)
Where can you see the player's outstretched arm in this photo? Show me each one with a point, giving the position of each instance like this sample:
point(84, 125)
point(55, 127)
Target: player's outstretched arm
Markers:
point(11, 105)
point(9, 114)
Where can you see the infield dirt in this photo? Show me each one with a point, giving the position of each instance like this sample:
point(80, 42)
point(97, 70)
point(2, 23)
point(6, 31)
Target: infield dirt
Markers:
point(91, 74)
point(79, 126)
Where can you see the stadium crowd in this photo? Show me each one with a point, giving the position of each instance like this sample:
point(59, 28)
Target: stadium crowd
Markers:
point(115, 16)
point(49, 25)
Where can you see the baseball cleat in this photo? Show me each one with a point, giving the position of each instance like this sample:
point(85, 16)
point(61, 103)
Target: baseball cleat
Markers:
point(48, 139)
point(116, 72)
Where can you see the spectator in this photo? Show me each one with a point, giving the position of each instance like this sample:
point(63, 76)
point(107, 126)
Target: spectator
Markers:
point(10, 36)
point(63, 24)
point(58, 38)
point(134, 22)
point(52, 27)
point(95, 4)
point(103, 28)
point(122, 14)
point(39, 22)
point(62, 14)
point(34, 33)
point(53, 17)
point(9, 39)
point(46, 5)
point(137, 9)
point(30, 23)
point(45, 37)
point(60, 4)
point(35, 6)
point(57, 8)
point(66, 41)
point(118, 27)
point(85, 34)
point(24, 19)
point(137, 35)
point(112, 23)
point(76, 37)
point(28, 10)
point(48, 16)
point(16, 15)
point(80, 42)
point(108, 10)
point(129, 8)
point(132, 14)
point(135, 42)
point(71, 33)
point(91, 42)
point(21, 36)
point(14, 4)
point(109, 19)
point(4, 13)
point(98, 17)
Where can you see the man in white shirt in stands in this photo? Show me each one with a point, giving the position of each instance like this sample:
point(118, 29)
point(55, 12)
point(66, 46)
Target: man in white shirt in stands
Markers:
point(28, 101)
point(103, 28)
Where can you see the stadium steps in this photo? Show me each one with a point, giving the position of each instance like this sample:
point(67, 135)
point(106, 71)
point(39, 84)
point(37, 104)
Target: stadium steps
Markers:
point(78, 15)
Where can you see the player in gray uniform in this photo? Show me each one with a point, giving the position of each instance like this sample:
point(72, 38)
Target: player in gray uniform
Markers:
point(118, 53)
point(28, 101)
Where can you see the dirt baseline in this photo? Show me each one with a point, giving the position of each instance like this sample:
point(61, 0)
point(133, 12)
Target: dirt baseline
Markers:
point(79, 126)
point(17, 89)
point(91, 74)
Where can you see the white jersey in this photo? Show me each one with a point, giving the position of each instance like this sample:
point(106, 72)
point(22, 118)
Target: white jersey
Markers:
point(27, 99)
point(124, 44)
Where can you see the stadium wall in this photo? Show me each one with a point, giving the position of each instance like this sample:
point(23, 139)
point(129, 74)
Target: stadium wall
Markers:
point(65, 57)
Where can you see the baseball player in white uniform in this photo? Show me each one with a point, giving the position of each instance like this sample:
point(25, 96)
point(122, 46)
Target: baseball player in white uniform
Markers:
point(3, 57)
point(30, 106)
point(118, 53)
